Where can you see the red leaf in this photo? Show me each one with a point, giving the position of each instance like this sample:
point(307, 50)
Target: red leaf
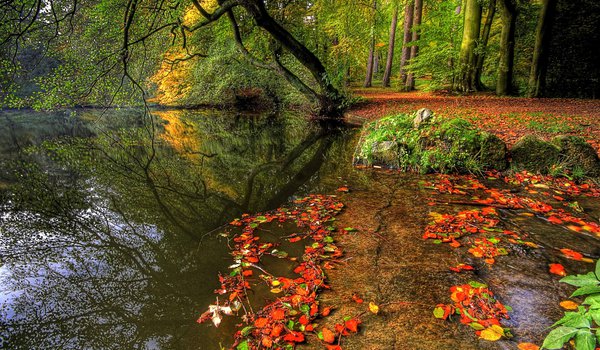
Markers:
point(571, 254)
point(261, 322)
point(352, 325)
point(278, 314)
point(357, 299)
point(558, 269)
point(328, 336)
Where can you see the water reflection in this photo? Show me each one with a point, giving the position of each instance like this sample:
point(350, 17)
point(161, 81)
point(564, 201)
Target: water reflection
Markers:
point(105, 241)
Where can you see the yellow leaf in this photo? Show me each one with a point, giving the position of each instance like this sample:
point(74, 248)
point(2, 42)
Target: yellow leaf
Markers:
point(373, 308)
point(275, 283)
point(569, 305)
point(492, 333)
point(587, 260)
point(276, 290)
point(528, 346)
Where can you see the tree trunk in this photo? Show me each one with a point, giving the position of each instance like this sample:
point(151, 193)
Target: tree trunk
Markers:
point(371, 59)
point(370, 64)
point(408, 20)
point(472, 25)
point(485, 36)
point(539, 65)
point(391, 44)
point(329, 98)
point(414, 49)
point(504, 81)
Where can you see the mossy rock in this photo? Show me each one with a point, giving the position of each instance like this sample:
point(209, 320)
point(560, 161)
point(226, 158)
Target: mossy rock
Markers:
point(448, 146)
point(578, 155)
point(533, 154)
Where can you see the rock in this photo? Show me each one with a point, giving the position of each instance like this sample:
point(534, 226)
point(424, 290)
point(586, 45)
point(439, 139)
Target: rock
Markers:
point(446, 146)
point(493, 153)
point(385, 152)
point(533, 154)
point(422, 116)
point(576, 153)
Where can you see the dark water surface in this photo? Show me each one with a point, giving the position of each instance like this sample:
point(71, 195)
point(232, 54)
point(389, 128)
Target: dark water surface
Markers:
point(109, 226)
point(110, 233)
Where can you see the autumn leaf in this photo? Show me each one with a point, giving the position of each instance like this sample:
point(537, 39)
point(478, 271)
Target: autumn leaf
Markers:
point(492, 333)
point(352, 325)
point(571, 254)
point(261, 322)
point(328, 336)
point(373, 308)
point(569, 305)
point(558, 269)
point(527, 346)
point(357, 299)
point(343, 189)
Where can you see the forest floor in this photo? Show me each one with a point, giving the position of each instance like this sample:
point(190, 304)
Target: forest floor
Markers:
point(508, 117)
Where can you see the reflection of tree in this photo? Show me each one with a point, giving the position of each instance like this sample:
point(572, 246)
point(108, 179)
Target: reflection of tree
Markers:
point(102, 236)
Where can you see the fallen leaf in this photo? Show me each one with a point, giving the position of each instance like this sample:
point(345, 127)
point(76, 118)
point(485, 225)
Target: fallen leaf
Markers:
point(357, 299)
point(373, 308)
point(328, 336)
point(569, 305)
point(558, 269)
point(492, 333)
point(527, 346)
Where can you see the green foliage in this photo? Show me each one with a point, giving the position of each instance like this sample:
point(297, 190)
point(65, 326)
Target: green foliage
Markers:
point(449, 146)
point(439, 46)
point(579, 325)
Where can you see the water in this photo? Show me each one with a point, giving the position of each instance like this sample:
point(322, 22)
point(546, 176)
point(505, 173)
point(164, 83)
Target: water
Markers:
point(109, 234)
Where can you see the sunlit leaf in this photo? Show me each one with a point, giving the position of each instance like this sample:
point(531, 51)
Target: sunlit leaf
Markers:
point(569, 305)
point(374, 308)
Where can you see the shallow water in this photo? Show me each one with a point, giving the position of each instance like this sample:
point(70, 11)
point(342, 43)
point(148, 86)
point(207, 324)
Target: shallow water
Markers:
point(112, 240)
point(110, 233)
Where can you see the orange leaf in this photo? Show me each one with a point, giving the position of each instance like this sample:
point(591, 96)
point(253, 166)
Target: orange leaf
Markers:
point(267, 342)
point(571, 254)
point(326, 311)
point(352, 325)
point(357, 299)
point(558, 269)
point(261, 322)
point(569, 305)
point(247, 273)
point(527, 346)
point(278, 314)
point(328, 336)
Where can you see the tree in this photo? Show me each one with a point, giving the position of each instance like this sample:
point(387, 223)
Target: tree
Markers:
point(391, 44)
point(144, 20)
point(414, 49)
point(504, 80)
point(539, 64)
point(371, 58)
point(408, 21)
point(485, 36)
point(467, 59)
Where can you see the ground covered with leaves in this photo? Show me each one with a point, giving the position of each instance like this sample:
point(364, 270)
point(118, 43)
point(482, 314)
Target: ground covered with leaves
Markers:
point(510, 118)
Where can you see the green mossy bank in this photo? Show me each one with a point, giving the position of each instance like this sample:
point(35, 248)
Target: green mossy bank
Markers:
point(456, 146)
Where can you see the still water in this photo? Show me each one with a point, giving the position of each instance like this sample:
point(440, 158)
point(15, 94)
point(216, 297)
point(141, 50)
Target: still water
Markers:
point(110, 221)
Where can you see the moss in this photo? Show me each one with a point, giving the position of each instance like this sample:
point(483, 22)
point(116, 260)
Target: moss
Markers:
point(534, 154)
point(449, 146)
point(577, 155)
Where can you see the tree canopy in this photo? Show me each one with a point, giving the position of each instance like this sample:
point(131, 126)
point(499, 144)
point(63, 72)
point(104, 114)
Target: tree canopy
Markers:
point(192, 52)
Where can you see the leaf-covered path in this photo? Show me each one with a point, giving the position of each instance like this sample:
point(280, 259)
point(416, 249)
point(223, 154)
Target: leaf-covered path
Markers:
point(508, 117)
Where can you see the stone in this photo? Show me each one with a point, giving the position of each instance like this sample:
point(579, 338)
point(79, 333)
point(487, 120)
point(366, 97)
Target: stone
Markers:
point(385, 152)
point(533, 154)
point(575, 152)
point(422, 116)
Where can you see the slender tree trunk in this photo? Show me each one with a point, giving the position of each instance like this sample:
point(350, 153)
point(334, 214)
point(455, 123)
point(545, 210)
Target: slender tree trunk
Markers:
point(472, 25)
point(539, 65)
point(504, 81)
point(408, 20)
point(391, 44)
point(371, 59)
point(485, 36)
point(414, 49)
